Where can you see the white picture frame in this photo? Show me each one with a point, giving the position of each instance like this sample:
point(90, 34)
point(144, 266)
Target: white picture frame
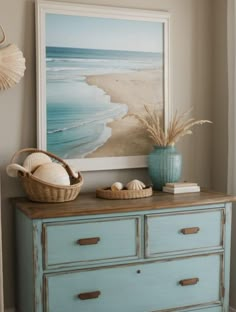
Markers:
point(50, 9)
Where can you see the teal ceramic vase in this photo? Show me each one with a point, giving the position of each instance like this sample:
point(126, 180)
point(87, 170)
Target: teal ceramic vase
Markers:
point(164, 165)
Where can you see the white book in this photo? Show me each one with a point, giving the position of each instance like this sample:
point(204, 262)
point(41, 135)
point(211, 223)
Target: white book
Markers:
point(181, 190)
point(181, 184)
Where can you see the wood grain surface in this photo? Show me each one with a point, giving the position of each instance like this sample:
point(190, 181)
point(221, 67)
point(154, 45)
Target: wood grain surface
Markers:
point(89, 204)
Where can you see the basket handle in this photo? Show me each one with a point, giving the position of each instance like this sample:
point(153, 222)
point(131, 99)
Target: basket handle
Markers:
point(34, 150)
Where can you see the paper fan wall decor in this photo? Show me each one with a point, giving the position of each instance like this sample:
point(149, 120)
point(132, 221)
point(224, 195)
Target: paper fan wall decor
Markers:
point(12, 64)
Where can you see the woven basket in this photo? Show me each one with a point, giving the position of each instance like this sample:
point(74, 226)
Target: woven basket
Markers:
point(107, 193)
point(40, 191)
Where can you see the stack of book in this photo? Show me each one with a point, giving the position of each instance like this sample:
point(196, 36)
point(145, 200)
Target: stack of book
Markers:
point(181, 187)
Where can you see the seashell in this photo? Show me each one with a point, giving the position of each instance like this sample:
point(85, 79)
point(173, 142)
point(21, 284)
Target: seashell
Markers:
point(52, 173)
point(13, 169)
point(34, 160)
point(117, 186)
point(12, 66)
point(135, 185)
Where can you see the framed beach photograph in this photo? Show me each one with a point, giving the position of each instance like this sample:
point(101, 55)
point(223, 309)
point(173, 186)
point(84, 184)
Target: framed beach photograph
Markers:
point(96, 66)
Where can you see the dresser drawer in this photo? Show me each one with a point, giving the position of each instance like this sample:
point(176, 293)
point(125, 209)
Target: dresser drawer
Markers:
point(137, 288)
point(214, 309)
point(169, 233)
point(96, 241)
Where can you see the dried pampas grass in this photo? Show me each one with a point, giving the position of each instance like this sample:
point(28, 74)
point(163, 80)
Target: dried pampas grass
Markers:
point(178, 127)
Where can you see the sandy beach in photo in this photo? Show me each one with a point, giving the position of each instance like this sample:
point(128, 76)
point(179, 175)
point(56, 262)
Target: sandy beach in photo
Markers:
point(133, 89)
point(91, 85)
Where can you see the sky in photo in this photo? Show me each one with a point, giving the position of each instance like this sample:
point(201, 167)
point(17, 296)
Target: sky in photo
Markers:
point(103, 33)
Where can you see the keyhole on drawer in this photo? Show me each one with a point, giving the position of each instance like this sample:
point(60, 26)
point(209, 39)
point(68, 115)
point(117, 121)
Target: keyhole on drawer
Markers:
point(138, 271)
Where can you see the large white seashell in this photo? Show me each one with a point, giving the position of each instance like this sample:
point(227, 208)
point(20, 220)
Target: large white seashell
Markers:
point(13, 169)
point(135, 185)
point(52, 173)
point(12, 66)
point(34, 160)
point(117, 186)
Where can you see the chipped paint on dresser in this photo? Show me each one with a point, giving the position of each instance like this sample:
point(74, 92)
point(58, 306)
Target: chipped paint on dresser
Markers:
point(38, 270)
point(178, 257)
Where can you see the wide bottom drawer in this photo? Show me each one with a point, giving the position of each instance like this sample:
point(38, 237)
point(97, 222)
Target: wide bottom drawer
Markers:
point(212, 309)
point(136, 288)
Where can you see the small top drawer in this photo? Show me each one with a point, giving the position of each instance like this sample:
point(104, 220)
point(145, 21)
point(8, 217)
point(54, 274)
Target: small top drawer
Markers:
point(84, 242)
point(168, 233)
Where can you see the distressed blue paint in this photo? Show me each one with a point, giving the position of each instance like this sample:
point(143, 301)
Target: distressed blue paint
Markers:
point(164, 232)
point(227, 245)
point(29, 264)
point(211, 309)
point(38, 267)
point(156, 287)
point(114, 266)
point(25, 267)
point(140, 213)
point(122, 242)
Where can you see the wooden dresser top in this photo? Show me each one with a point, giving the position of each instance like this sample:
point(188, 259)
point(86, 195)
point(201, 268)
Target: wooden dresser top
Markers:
point(88, 204)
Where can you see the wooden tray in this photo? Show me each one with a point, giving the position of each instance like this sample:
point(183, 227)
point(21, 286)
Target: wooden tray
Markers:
point(107, 193)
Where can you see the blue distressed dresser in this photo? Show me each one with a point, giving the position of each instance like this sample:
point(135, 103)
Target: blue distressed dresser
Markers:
point(162, 253)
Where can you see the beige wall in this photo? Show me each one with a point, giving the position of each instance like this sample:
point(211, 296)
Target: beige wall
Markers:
point(220, 119)
point(220, 97)
point(191, 85)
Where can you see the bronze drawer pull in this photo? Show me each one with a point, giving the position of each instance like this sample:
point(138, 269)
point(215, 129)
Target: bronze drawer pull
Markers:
point(89, 295)
point(88, 241)
point(190, 281)
point(192, 230)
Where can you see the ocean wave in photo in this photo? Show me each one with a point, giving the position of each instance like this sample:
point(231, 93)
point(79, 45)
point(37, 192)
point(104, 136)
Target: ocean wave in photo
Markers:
point(77, 113)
